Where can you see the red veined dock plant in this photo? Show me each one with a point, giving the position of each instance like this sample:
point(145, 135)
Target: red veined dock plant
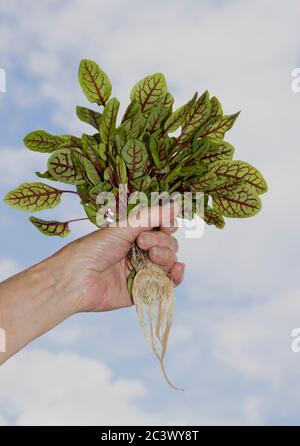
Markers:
point(142, 152)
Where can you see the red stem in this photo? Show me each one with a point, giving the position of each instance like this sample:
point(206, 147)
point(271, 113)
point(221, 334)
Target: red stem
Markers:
point(77, 219)
point(82, 196)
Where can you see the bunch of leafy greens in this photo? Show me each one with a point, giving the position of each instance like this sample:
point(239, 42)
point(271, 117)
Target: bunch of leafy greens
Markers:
point(143, 152)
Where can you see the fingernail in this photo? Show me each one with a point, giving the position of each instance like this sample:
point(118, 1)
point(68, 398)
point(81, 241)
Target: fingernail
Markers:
point(146, 239)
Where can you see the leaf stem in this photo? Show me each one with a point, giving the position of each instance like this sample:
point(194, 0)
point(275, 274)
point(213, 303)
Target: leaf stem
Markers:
point(76, 219)
point(80, 194)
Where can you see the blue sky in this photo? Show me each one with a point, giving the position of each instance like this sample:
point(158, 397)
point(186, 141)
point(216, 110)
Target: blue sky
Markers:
point(230, 346)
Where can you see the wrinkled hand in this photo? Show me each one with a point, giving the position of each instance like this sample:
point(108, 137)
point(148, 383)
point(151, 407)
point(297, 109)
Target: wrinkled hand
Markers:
point(98, 267)
point(89, 274)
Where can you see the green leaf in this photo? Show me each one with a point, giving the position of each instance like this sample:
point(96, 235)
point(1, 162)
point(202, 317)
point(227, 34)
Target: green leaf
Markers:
point(108, 174)
point(51, 228)
point(213, 217)
point(134, 127)
point(83, 189)
point(101, 187)
point(90, 148)
point(216, 112)
point(121, 171)
point(91, 212)
point(200, 146)
point(215, 108)
point(232, 171)
point(174, 174)
point(94, 82)
point(168, 102)
point(46, 175)
point(85, 168)
point(135, 155)
point(225, 151)
point(205, 182)
point(196, 117)
point(164, 185)
point(149, 91)
point(219, 128)
point(89, 116)
point(153, 146)
point(33, 197)
point(91, 172)
point(154, 185)
point(122, 136)
point(196, 170)
point(178, 116)
point(157, 115)
point(70, 142)
point(61, 166)
point(108, 122)
point(132, 108)
point(130, 129)
point(240, 201)
point(163, 146)
point(103, 151)
point(41, 141)
point(141, 183)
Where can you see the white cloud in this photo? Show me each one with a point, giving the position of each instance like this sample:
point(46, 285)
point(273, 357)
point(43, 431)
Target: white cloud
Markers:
point(257, 341)
point(195, 46)
point(243, 352)
point(64, 336)
point(19, 165)
point(66, 389)
point(3, 421)
point(8, 267)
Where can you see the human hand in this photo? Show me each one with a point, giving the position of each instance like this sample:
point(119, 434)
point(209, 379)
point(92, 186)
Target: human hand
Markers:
point(96, 267)
point(89, 274)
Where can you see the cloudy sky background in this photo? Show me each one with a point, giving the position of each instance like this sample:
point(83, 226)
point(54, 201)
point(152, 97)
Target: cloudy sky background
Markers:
point(231, 342)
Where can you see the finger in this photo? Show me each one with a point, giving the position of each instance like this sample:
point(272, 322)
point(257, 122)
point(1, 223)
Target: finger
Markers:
point(177, 273)
point(163, 257)
point(173, 227)
point(147, 240)
point(123, 235)
point(146, 219)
